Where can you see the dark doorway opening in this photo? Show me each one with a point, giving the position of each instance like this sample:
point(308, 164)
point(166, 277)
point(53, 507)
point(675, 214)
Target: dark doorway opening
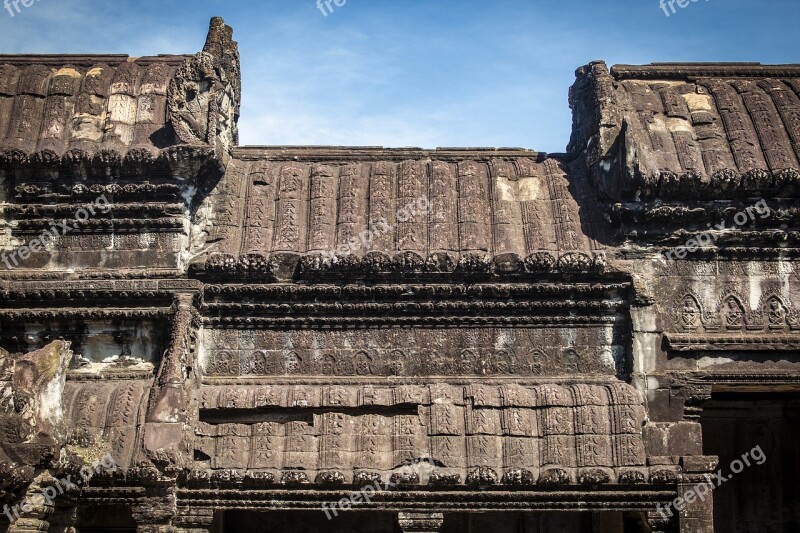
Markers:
point(106, 519)
point(761, 498)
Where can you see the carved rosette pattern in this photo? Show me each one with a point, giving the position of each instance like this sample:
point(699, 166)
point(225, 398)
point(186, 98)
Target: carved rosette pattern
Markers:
point(732, 323)
point(521, 351)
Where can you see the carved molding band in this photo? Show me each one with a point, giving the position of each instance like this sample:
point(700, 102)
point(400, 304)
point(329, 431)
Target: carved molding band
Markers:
point(414, 351)
point(696, 343)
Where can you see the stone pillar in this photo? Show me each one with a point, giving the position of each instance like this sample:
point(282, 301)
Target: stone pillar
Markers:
point(166, 398)
point(33, 512)
point(420, 522)
point(35, 520)
point(29, 523)
point(695, 491)
point(194, 520)
point(661, 524)
point(167, 408)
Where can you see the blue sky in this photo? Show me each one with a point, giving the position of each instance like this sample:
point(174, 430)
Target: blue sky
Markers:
point(414, 72)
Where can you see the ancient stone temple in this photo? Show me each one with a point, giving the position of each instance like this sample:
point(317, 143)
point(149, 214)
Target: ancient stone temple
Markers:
point(203, 337)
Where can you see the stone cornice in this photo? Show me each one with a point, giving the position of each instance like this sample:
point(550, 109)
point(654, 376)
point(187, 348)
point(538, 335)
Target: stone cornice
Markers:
point(725, 342)
point(687, 71)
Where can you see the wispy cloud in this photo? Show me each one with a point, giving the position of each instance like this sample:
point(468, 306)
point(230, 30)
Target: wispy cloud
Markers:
point(413, 73)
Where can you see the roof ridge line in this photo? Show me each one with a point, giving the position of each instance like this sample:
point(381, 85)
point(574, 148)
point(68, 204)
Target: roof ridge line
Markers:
point(684, 71)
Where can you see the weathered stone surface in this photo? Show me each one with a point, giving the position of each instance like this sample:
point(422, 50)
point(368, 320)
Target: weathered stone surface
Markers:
point(695, 127)
point(476, 438)
point(459, 330)
point(89, 104)
point(33, 419)
point(505, 207)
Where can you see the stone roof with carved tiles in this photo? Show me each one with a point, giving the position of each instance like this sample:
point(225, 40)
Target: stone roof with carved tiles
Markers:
point(58, 110)
point(506, 210)
point(60, 103)
point(475, 435)
point(689, 130)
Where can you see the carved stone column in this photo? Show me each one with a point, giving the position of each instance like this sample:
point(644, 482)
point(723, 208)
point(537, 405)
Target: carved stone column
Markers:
point(165, 399)
point(34, 520)
point(420, 522)
point(697, 513)
point(692, 511)
point(194, 520)
point(661, 524)
point(166, 412)
point(698, 517)
point(33, 511)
